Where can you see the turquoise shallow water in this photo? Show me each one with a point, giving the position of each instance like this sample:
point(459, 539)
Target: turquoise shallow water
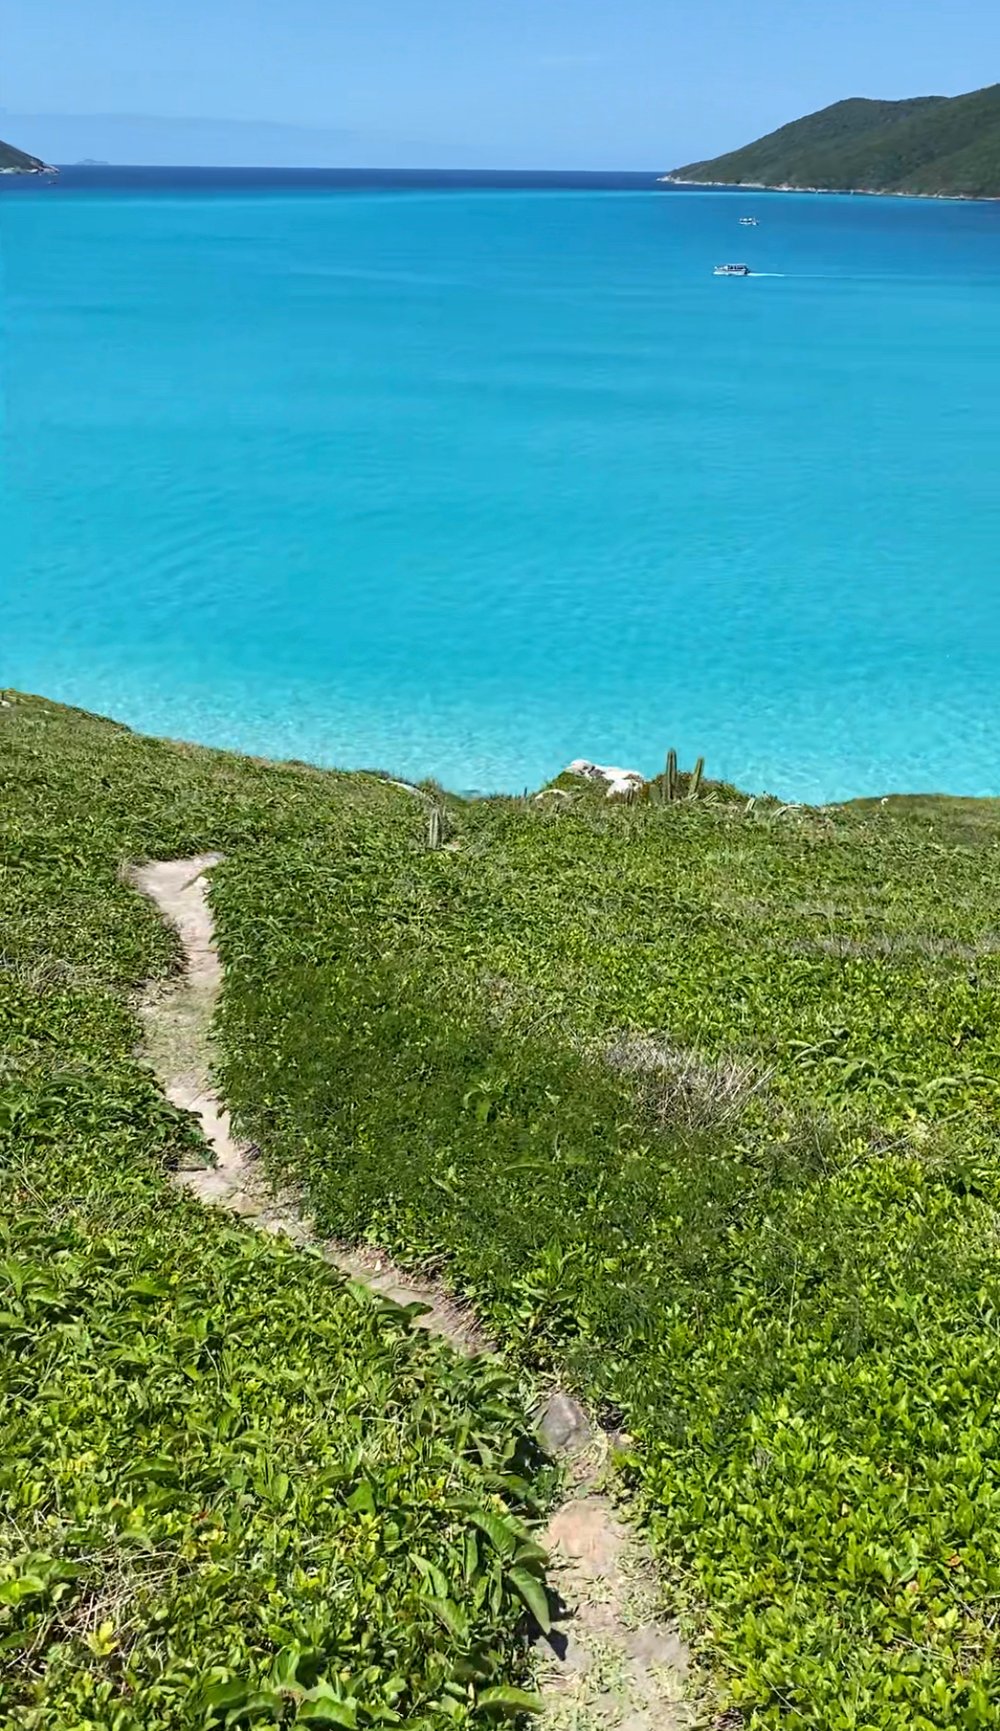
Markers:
point(468, 482)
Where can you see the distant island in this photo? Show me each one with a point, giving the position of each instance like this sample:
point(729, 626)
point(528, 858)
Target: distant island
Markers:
point(14, 161)
point(925, 146)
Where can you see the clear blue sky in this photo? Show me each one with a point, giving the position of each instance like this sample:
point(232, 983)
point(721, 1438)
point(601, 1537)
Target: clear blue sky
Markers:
point(443, 83)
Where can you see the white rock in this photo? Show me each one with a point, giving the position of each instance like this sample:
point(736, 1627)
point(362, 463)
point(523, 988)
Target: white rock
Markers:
point(619, 781)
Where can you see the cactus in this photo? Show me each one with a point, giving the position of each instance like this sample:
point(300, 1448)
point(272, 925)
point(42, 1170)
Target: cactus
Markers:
point(435, 828)
point(694, 779)
point(671, 775)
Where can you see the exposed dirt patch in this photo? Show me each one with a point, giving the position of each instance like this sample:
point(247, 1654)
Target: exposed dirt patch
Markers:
point(612, 1663)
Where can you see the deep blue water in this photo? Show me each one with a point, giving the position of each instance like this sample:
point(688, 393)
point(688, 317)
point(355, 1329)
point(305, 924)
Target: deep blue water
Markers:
point(466, 476)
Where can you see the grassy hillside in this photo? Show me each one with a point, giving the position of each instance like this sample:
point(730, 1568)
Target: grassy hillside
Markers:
point(698, 1101)
point(928, 145)
point(18, 161)
point(233, 1490)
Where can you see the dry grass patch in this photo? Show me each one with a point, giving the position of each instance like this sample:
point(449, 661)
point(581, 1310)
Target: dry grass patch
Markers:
point(682, 1088)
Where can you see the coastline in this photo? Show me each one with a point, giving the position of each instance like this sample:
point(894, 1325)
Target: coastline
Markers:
point(833, 191)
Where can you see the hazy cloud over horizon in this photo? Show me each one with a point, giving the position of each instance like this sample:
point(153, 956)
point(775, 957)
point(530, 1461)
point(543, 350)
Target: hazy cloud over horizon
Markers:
point(193, 142)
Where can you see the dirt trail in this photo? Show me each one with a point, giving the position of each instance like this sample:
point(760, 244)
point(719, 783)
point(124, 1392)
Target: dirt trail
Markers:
point(178, 1024)
point(611, 1664)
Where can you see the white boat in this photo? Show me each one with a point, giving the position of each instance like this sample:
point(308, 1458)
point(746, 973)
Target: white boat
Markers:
point(732, 270)
point(748, 222)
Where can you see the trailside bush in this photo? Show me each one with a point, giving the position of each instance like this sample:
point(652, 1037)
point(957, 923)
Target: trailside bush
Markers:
point(233, 1491)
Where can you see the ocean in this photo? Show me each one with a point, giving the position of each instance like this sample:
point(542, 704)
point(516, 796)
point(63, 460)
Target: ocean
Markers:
point(467, 476)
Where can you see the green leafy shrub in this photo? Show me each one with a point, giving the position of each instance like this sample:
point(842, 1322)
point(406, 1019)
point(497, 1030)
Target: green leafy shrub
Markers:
point(233, 1489)
point(789, 1301)
point(766, 1249)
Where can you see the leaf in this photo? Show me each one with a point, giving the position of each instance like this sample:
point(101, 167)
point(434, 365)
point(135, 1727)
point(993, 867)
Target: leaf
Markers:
point(147, 1287)
point(433, 1574)
point(451, 1615)
point(153, 1469)
point(103, 1640)
point(221, 1697)
point(278, 1487)
point(506, 1699)
point(326, 1709)
point(529, 1552)
point(362, 1501)
point(17, 1641)
point(21, 1587)
point(285, 1667)
point(532, 1591)
point(502, 1537)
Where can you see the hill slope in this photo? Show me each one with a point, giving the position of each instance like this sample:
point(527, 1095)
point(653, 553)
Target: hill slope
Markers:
point(13, 161)
point(696, 1100)
point(929, 145)
point(229, 1483)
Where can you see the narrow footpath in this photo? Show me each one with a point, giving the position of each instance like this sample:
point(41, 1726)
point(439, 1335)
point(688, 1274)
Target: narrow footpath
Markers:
point(611, 1664)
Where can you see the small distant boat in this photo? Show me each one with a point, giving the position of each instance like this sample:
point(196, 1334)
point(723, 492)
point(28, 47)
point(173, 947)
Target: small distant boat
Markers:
point(732, 270)
point(748, 222)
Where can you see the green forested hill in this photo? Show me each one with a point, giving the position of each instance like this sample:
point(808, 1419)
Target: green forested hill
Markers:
point(927, 145)
point(14, 161)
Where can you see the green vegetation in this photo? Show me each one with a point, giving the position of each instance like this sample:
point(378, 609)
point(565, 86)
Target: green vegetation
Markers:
point(697, 1100)
point(928, 145)
point(18, 161)
point(762, 1237)
point(233, 1490)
